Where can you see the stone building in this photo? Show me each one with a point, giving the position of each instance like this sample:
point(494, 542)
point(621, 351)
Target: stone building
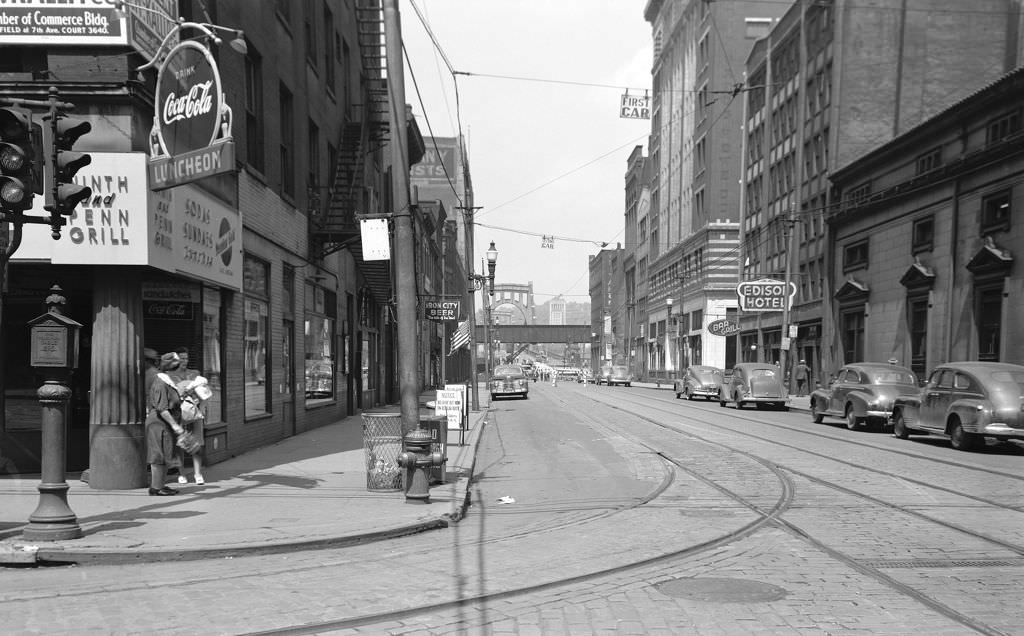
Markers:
point(833, 80)
point(926, 233)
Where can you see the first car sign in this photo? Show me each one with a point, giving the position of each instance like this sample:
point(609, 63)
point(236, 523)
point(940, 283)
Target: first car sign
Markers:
point(765, 295)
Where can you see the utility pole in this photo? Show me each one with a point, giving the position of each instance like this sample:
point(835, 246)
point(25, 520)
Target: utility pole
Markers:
point(790, 227)
point(404, 252)
point(468, 259)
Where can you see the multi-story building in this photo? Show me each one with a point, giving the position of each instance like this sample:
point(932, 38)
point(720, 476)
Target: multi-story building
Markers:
point(258, 270)
point(925, 234)
point(638, 206)
point(833, 80)
point(699, 48)
point(608, 311)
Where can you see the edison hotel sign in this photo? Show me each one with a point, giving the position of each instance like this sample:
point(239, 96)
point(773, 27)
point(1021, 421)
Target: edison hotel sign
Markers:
point(191, 136)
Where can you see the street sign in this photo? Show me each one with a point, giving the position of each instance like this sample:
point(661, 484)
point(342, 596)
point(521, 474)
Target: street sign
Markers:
point(723, 327)
point(765, 295)
point(441, 309)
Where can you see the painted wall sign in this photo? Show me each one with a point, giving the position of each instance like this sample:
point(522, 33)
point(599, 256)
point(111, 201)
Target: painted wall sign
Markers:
point(110, 228)
point(45, 22)
point(437, 165)
point(183, 230)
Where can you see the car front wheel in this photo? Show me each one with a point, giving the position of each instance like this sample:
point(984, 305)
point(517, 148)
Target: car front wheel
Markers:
point(852, 421)
point(961, 439)
point(899, 427)
point(816, 415)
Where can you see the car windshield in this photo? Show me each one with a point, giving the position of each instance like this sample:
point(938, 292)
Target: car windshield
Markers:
point(893, 376)
point(708, 376)
point(507, 370)
point(762, 373)
point(1010, 377)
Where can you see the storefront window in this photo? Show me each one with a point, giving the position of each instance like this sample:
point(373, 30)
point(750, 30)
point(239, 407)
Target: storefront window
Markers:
point(256, 337)
point(211, 361)
point(321, 359)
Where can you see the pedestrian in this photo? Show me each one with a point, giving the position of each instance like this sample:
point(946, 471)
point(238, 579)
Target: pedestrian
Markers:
point(801, 373)
point(152, 360)
point(183, 377)
point(163, 416)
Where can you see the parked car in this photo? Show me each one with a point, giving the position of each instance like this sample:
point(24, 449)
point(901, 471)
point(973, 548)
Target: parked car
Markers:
point(508, 380)
point(604, 374)
point(757, 383)
point(699, 381)
point(863, 393)
point(620, 375)
point(966, 402)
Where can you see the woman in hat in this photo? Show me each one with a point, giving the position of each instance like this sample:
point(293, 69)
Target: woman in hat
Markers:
point(162, 426)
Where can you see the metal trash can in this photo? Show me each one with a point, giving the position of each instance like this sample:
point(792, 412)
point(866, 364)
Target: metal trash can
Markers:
point(438, 427)
point(382, 442)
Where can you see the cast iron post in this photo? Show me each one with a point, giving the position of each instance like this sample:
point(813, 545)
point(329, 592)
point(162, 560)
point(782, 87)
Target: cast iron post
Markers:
point(54, 351)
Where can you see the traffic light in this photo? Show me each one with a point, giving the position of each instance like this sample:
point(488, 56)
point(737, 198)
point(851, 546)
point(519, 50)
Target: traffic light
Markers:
point(19, 144)
point(63, 195)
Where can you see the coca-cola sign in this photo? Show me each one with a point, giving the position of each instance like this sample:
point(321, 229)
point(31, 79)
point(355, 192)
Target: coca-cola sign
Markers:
point(188, 99)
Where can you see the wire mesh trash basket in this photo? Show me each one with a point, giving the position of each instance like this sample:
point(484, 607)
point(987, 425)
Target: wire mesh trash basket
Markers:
point(382, 443)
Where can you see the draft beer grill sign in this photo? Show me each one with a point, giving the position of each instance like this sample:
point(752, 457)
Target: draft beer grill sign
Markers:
point(191, 136)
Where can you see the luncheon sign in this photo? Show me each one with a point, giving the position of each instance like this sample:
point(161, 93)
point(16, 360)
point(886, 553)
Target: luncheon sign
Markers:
point(191, 136)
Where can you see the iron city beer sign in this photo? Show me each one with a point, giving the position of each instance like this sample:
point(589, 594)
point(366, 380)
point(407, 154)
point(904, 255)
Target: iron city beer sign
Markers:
point(191, 137)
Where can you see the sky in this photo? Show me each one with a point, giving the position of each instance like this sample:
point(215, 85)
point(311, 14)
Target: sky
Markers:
point(547, 155)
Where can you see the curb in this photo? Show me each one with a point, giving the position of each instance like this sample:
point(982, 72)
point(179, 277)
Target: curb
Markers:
point(19, 553)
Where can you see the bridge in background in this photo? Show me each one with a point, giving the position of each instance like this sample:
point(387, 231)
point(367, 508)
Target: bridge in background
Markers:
point(538, 334)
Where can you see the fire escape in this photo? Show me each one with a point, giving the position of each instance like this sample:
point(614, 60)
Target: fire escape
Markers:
point(333, 224)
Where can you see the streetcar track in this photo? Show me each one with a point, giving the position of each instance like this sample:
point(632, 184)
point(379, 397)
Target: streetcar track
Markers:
point(771, 517)
point(833, 458)
point(795, 530)
point(1017, 548)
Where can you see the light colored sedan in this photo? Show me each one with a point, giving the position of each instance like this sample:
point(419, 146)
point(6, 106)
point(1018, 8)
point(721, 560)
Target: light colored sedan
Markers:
point(699, 381)
point(966, 402)
point(757, 383)
point(620, 375)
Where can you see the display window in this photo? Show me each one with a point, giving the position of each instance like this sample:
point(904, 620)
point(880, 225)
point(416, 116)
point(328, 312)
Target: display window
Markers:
point(256, 335)
point(320, 325)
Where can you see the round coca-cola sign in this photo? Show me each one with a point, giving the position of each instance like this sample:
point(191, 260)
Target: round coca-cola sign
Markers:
point(188, 99)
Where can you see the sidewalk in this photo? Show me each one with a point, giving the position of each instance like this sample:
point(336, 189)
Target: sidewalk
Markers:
point(306, 491)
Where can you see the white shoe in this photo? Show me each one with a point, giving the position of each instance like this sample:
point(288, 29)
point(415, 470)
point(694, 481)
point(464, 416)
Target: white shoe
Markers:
point(182, 479)
point(199, 480)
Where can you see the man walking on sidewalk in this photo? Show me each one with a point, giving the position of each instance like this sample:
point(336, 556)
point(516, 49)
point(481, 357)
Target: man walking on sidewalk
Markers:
point(801, 373)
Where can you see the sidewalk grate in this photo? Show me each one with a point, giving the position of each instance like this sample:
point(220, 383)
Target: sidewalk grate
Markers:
point(889, 564)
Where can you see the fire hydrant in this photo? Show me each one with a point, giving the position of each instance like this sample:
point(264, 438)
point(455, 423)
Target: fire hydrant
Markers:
point(417, 460)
